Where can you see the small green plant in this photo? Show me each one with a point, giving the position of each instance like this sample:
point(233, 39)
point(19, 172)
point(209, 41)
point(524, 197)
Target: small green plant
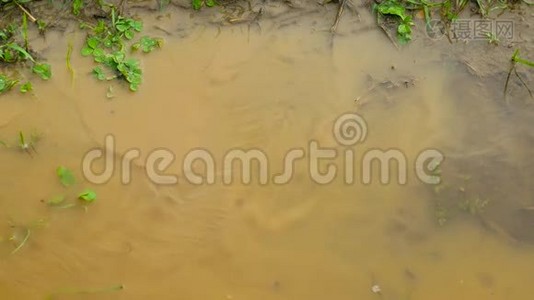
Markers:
point(147, 44)
point(107, 45)
point(87, 195)
point(68, 180)
point(6, 83)
point(26, 87)
point(24, 143)
point(13, 52)
point(43, 70)
point(77, 6)
point(198, 4)
point(396, 9)
point(492, 38)
point(27, 145)
point(516, 59)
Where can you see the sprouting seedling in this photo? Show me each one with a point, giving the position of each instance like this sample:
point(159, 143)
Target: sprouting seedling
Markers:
point(25, 145)
point(397, 9)
point(516, 59)
point(197, 4)
point(6, 83)
point(492, 38)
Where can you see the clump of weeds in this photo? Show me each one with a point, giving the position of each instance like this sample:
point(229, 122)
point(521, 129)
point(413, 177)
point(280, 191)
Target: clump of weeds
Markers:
point(398, 14)
point(110, 42)
point(198, 4)
point(15, 52)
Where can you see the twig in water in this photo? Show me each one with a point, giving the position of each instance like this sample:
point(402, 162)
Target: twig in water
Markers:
point(32, 18)
point(338, 16)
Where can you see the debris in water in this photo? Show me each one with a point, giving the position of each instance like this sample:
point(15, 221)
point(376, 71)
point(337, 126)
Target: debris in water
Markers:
point(376, 289)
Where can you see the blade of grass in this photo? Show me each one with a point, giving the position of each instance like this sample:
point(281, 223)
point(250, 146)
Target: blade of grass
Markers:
point(25, 31)
point(67, 60)
point(26, 237)
point(524, 83)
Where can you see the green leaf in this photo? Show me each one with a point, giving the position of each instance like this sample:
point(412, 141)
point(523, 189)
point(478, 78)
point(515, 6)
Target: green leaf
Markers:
point(65, 176)
point(137, 26)
point(99, 55)
point(128, 34)
point(118, 56)
point(122, 27)
point(211, 3)
point(87, 195)
point(77, 5)
point(41, 25)
point(86, 51)
point(56, 200)
point(147, 44)
point(27, 87)
point(99, 73)
point(6, 83)
point(93, 42)
point(43, 70)
point(21, 51)
point(197, 4)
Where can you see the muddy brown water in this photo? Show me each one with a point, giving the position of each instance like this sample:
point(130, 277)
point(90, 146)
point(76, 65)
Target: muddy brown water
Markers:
point(274, 91)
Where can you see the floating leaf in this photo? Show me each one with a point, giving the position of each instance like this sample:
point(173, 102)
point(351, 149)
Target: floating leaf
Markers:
point(65, 176)
point(43, 70)
point(99, 73)
point(87, 195)
point(147, 44)
point(27, 87)
point(6, 83)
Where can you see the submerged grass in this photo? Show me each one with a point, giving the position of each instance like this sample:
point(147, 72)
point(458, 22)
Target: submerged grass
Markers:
point(85, 291)
point(516, 59)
